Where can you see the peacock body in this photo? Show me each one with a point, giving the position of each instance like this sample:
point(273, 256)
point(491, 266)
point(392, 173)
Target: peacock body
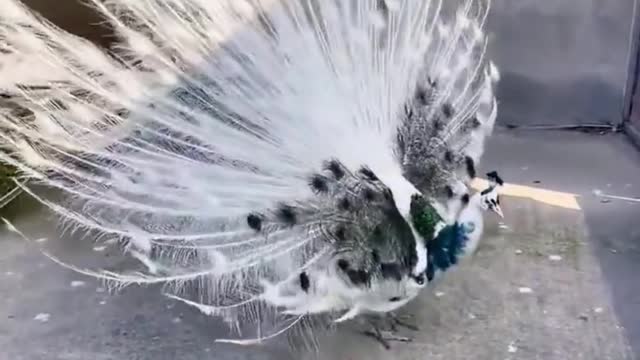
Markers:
point(295, 155)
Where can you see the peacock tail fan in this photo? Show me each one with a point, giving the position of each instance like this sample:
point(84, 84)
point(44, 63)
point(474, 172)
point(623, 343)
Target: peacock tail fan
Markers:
point(198, 141)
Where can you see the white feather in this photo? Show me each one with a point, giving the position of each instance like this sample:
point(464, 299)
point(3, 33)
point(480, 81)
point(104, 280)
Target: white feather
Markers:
point(214, 109)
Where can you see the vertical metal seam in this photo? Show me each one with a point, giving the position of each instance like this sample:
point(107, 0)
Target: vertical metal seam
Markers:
point(632, 65)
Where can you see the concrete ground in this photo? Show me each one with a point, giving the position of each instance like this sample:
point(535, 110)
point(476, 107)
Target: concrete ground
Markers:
point(551, 283)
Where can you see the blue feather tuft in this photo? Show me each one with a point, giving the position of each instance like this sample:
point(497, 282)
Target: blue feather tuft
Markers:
point(446, 249)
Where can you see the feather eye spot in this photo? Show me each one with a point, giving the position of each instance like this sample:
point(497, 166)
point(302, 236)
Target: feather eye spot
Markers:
point(447, 110)
point(421, 96)
point(344, 204)
point(465, 199)
point(368, 174)
point(387, 194)
point(408, 111)
point(475, 123)
point(369, 195)
point(336, 169)
point(449, 156)
point(57, 104)
point(470, 165)
point(304, 281)
point(377, 232)
point(383, 8)
point(395, 299)
point(319, 184)
point(343, 264)
point(341, 233)
point(287, 215)
point(375, 257)
point(254, 221)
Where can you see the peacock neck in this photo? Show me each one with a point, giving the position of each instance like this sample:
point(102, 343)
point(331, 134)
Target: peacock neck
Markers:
point(456, 241)
point(471, 218)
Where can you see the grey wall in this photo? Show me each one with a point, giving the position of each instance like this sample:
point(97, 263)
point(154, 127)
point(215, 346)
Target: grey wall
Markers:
point(562, 61)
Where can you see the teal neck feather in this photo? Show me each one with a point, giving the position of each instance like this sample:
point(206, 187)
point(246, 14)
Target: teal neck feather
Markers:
point(445, 250)
point(455, 241)
point(425, 218)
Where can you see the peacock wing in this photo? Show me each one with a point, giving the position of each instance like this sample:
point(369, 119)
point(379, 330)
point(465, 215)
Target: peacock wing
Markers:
point(453, 110)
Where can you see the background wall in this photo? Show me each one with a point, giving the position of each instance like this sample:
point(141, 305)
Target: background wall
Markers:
point(562, 61)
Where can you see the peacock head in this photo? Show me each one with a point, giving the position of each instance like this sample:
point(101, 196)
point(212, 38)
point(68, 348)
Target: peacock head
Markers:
point(490, 197)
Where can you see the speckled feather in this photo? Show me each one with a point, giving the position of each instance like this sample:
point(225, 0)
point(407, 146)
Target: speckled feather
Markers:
point(204, 142)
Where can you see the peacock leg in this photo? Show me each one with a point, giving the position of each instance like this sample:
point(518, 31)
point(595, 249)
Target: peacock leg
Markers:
point(384, 337)
point(401, 320)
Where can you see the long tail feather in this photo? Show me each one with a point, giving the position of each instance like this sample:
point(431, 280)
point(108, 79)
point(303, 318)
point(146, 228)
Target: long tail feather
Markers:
point(212, 119)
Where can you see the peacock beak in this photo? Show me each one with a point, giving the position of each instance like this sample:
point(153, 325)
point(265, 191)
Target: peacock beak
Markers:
point(498, 211)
